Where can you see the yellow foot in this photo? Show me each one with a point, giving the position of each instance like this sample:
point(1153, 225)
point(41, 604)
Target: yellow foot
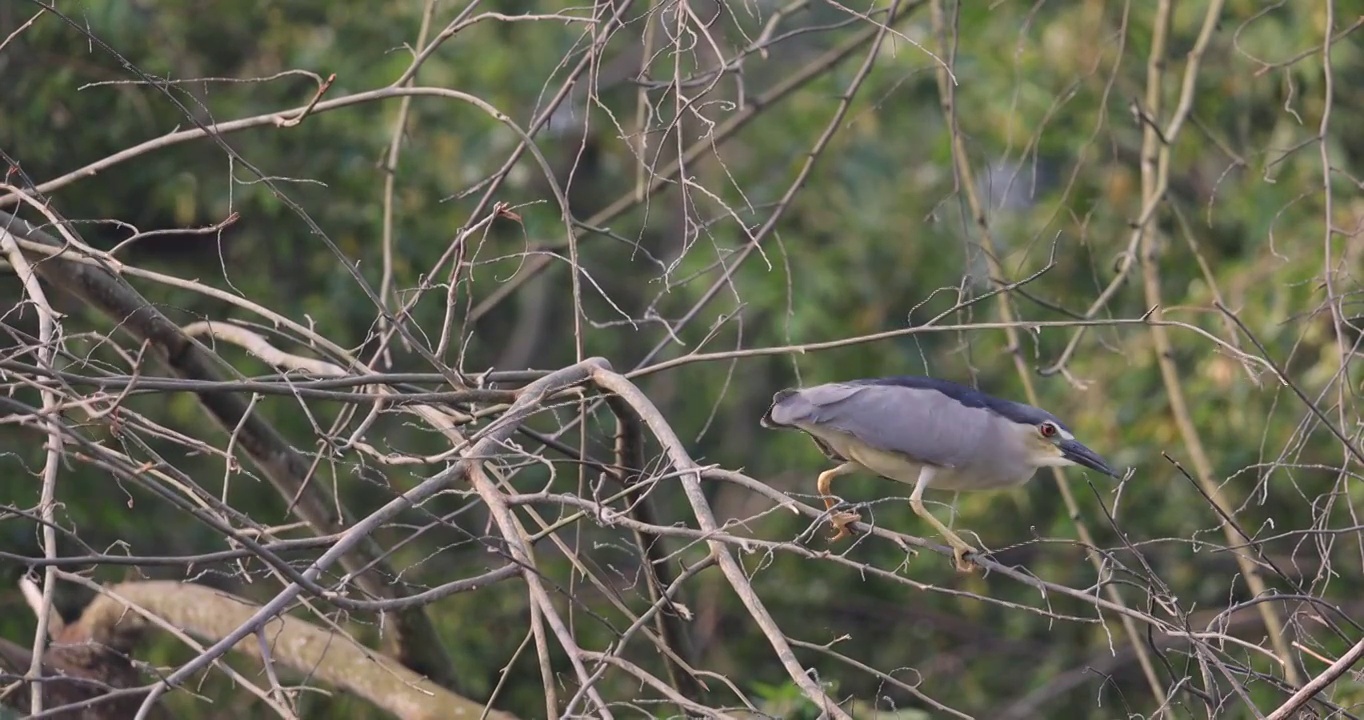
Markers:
point(959, 557)
point(841, 521)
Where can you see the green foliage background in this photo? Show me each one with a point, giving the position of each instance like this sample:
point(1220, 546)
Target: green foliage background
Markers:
point(876, 239)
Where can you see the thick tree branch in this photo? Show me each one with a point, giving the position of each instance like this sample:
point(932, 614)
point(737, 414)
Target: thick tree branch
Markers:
point(668, 621)
point(529, 401)
point(690, 478)
point(285, 468)
point(115, 617)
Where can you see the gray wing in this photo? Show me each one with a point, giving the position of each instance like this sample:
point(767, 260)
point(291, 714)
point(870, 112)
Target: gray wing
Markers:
point(922, 424)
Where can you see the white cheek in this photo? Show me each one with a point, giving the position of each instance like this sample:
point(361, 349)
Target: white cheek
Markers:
point(1055, 461)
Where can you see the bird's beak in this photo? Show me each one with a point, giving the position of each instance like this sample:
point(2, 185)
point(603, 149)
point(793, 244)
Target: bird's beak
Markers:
point(1077, 453)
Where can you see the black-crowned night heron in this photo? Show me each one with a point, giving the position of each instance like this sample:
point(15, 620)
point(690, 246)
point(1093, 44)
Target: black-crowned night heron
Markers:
point(928, 433)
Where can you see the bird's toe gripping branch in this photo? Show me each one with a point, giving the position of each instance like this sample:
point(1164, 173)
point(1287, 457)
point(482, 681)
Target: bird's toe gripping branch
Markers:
point(840, 521)
point(961, 551)
point(962, 557)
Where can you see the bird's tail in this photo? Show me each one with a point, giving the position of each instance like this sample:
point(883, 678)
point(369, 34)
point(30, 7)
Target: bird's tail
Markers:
point(767, 420)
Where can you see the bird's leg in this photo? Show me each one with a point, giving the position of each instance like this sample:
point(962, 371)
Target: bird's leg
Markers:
point(959, 547)
point(839, 520)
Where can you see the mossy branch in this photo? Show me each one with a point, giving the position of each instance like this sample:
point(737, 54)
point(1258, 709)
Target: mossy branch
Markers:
point(323, 655)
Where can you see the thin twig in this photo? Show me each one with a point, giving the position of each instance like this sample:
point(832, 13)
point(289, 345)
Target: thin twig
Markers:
point(1319, 683)
point(1155, 170)
point(967, 184)
point(612, 382)
point(48, 330)
point(487, 446)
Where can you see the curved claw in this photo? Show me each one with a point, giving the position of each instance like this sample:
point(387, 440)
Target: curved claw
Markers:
point(841, 521)
point(962, 557)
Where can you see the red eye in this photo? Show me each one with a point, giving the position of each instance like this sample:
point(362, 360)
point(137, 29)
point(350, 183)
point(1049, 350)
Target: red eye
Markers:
point(1047, 430)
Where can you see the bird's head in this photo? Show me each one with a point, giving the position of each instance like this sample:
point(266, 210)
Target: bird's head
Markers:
point(1048, 443)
